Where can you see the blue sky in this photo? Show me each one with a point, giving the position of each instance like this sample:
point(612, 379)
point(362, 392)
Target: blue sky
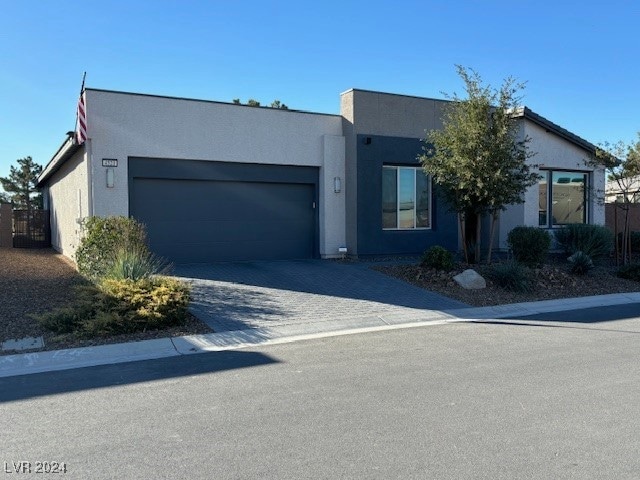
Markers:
point(579, 59)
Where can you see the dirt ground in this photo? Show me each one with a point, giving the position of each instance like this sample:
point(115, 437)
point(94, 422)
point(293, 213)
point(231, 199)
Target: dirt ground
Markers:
point(35, 281)
point(552, 281)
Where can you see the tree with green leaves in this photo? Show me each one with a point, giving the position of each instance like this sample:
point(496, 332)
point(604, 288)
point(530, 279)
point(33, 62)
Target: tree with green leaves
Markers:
point(621, 162)
point(255, 103)
point(20, 185)
point(479, 158)
point(278, 104)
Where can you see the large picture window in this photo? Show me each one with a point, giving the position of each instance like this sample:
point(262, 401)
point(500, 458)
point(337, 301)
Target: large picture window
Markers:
point(562, 198)
point(406, 198)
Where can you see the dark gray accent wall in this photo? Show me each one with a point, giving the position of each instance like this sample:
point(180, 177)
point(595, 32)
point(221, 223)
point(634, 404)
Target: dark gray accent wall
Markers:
point(374, 151)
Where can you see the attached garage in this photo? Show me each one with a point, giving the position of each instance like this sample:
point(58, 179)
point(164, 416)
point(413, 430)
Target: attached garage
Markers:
point(206, 211)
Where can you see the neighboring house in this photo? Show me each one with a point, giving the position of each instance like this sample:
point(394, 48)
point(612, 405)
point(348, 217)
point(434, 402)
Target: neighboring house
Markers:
point(617, 210)
point(616, 191)
point(222, 182)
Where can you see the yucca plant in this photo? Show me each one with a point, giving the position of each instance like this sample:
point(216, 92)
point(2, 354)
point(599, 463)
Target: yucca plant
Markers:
point(595, 241)
point(512, 276)
point(135, 263)
point(581, 263)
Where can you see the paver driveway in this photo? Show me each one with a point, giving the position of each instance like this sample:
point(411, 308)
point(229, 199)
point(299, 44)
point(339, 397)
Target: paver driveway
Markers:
point(238, 296)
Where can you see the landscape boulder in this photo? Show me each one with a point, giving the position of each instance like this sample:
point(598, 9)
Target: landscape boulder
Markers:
point(470, 280)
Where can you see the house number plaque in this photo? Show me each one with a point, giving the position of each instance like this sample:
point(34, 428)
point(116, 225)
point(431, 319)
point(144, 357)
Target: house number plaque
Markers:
point(109, 162)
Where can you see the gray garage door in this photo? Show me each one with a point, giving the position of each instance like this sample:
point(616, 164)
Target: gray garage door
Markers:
point(209, 220)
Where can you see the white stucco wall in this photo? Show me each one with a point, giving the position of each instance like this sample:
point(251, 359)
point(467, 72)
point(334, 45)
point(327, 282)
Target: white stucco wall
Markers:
point(68, 201)
point(553, 152)
point(124, 125)
point(332, 209)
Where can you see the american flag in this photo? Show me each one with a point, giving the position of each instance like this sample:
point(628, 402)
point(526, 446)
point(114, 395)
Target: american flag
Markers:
point(81, 120)
point(81, 116)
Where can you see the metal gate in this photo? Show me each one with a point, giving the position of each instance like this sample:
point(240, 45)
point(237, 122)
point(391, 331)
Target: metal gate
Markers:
point(31, 229)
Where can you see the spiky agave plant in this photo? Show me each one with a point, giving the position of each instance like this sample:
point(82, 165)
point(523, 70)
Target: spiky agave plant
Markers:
point(135, 264)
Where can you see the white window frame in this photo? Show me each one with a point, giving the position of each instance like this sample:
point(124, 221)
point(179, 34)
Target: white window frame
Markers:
point(415, 199)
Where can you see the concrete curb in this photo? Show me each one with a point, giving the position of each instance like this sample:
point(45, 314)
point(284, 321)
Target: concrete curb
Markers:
point(38, 362)
point(29, 363)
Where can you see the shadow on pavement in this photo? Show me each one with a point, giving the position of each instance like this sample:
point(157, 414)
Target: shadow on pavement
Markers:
point(577, 319)
point(103, 376)
point(540, 325)
point(587, 315)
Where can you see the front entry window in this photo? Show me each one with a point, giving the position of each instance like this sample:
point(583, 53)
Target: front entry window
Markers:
point(406, 198)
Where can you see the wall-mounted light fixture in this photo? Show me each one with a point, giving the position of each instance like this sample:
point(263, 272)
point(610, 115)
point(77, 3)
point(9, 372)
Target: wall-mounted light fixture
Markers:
point(337, 184)
point(367, 140)
point(110, 178)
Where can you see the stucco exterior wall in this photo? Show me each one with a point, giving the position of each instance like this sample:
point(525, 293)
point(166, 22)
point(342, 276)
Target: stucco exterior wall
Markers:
point(351, 171)
point(68, 202)
point(393, 115)
point(385, 115)
point(123, 125)
point(332, 209)
point(553, 152)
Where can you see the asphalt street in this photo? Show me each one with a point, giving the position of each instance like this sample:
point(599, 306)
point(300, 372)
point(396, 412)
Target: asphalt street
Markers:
point(550, 396)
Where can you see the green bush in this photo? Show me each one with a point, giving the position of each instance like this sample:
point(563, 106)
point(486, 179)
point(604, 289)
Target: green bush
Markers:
point(529, 245)
point(581, 263)
point(630, 272)
point(511, 276)
point(135, 263)
point(114, 307)
point(439, 258)
point(103, 237)
point(595, 241)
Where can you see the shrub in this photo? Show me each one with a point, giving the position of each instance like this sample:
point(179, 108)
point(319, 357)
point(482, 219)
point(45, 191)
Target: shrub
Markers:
point(530, 245)
point(630, 272)
point(135, 263)
point(438, 257)
point(595, 241)
point(103, 237)
point(581, 263)
point(121, 306)
point(512, 276)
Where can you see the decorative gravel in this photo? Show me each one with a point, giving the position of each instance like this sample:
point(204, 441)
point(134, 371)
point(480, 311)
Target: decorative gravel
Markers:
point(550, 282)
point(35, 281)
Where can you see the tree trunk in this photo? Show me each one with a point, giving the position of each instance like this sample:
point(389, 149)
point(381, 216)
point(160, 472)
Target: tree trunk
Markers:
point(462, 224)
point(494, 219)
point(478, 236)
point(615, 234)
point(471, 235)
point(626, 236)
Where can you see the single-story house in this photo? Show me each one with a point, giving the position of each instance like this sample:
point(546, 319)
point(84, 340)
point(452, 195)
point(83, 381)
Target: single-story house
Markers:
point(216, 181)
